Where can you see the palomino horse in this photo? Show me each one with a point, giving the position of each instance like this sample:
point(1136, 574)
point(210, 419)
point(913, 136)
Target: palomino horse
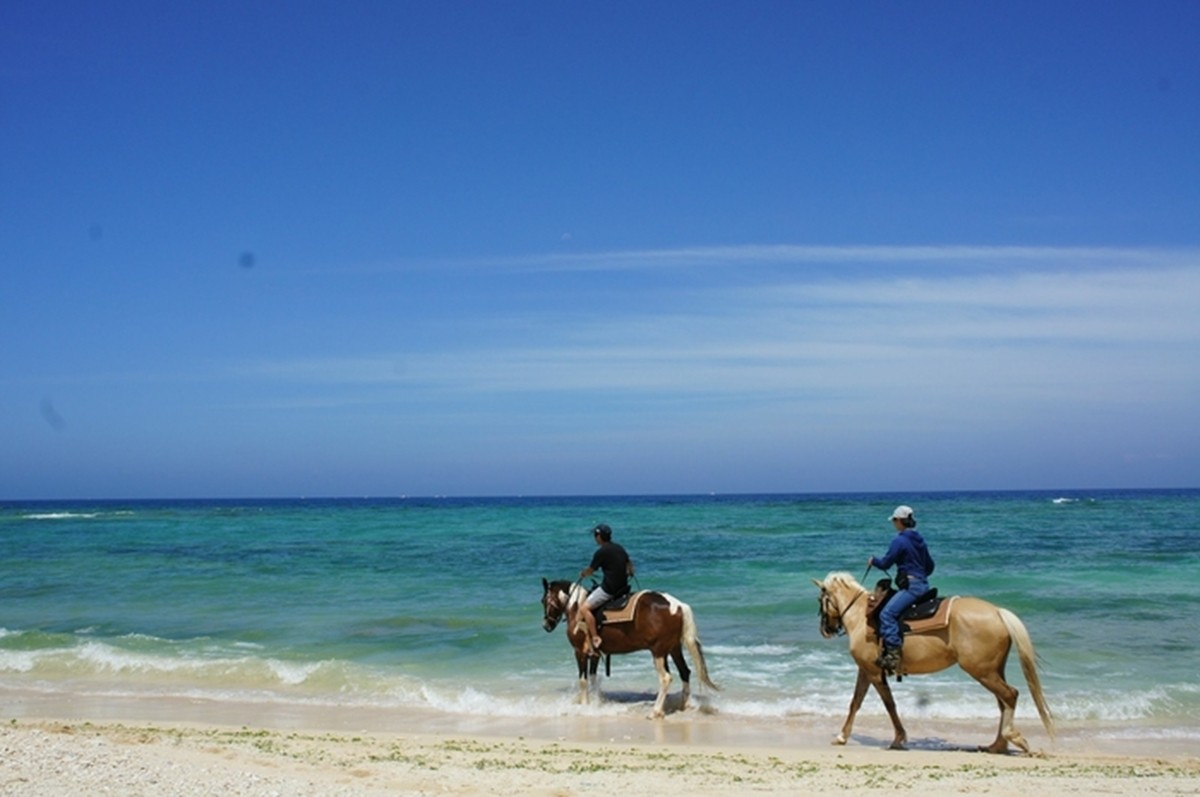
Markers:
point(661, 624)
point(978, 637)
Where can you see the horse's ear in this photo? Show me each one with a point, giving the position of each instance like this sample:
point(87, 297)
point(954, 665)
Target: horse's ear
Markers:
point(818, 583)
point(545, 585)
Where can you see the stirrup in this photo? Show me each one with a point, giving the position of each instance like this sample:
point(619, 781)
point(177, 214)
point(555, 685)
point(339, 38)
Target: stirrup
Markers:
point(889, 659)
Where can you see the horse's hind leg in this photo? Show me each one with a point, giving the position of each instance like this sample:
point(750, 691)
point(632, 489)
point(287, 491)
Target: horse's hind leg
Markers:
point(664, 683)
point(1006, 698)
point(684, 673)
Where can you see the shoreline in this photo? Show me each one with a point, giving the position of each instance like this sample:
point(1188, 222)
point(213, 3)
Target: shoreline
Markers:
point(64, 758)
point(65, 744)
point(697, 726)
point(62, 745)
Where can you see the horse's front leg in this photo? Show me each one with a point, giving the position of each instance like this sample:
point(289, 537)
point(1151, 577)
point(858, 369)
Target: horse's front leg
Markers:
point(885, 694)
point(664, 683)
point(584, 691)
point(860, 691)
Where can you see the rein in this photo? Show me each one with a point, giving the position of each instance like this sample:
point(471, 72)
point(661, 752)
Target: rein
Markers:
point(842, 612)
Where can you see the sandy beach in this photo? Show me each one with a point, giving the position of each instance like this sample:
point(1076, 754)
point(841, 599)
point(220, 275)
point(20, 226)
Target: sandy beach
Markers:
point(131, 748)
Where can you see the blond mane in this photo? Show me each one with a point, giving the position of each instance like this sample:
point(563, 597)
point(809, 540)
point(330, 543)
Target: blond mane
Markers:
point(842, 578)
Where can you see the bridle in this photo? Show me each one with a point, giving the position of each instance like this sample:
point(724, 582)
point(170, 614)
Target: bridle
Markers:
point(831, 621)
point(552, 610)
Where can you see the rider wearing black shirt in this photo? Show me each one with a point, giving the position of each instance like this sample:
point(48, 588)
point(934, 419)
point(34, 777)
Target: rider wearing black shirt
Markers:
point(611, 558)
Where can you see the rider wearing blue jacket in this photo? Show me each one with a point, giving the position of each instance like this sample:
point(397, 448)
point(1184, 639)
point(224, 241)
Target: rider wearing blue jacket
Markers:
point(914, 565)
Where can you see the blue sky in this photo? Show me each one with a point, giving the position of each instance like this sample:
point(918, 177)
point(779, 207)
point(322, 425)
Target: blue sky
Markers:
point(339, 249)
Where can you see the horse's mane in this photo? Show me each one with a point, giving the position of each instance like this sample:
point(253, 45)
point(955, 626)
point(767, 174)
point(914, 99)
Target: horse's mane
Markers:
point(576, 594)
point(843, 578)
point(575, 591)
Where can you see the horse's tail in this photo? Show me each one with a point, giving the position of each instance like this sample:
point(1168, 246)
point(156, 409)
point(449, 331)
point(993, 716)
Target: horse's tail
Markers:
point(1016, 630)
point(691, 638)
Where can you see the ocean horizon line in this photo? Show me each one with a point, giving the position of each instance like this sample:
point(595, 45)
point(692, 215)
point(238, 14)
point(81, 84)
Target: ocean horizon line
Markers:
point(1065, 491)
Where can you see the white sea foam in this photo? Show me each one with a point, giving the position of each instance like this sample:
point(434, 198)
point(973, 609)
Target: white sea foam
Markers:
point(785, 706)
point(95, 667)
point(61, 515)
point(72, 515)
point(776, 684)
point(750, 650)
point(247, 645)
point(292, 673)
point(1124, 705)
point(1143, 732)
point(17, 661)
point(96, 659)
point(478, 702)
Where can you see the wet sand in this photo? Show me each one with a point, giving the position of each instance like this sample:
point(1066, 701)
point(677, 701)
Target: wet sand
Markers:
point(55, 744)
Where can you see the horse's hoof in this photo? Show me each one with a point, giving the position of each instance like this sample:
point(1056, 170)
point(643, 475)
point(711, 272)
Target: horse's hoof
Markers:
point(1020, 742)
point(839, 739)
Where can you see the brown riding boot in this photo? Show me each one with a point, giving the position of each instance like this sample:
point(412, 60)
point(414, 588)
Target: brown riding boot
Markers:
point(889, 659)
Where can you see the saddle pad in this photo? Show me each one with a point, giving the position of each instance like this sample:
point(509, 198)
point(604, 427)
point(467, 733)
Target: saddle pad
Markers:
point(625, 613)
point(939, 620)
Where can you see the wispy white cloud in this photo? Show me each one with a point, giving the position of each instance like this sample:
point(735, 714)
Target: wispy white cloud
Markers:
point(1039, 257)
point(986, 335)
point(1016, 369)
point(971, 257)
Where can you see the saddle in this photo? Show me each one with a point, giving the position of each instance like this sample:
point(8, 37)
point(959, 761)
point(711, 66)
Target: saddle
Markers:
point(620, 609)
point(931, 612)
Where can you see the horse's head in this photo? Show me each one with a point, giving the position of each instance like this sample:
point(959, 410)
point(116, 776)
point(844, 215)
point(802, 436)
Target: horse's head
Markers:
point(554, 602)
point(835, 598)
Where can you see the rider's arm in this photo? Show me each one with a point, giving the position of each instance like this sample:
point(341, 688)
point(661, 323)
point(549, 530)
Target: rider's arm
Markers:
point(889, 558)
point(587, 571)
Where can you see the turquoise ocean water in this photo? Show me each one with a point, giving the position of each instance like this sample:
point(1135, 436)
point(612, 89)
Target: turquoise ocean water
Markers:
point(434, 603)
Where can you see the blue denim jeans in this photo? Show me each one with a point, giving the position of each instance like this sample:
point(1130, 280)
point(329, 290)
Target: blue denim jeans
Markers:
point(889, 618)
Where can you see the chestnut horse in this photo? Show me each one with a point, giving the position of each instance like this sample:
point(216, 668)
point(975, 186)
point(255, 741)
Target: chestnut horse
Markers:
point(979, 637)
point(661, 624)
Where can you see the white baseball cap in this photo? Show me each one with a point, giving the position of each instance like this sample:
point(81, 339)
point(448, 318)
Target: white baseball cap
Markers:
point(902, 512)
